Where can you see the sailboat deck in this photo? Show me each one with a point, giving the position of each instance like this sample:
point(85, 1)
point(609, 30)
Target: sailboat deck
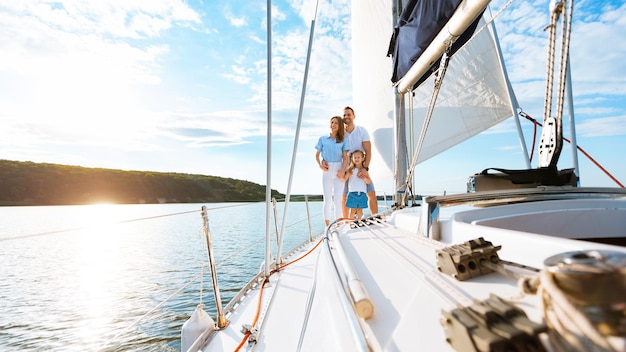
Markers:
point(398, 267)
point(291, 287)
point(307, 305)
point(399, 271)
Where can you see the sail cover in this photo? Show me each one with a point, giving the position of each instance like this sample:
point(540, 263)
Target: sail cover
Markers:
point(474, 96)
point(419, 23)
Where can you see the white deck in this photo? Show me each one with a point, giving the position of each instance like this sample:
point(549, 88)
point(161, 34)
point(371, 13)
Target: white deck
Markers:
point(293, 286)
point(306, 308)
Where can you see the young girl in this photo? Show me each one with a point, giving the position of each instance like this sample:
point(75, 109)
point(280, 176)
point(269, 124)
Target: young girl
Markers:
point(357, 186)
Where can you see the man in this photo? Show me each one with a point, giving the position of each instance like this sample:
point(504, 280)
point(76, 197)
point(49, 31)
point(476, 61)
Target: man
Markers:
point(357, 138)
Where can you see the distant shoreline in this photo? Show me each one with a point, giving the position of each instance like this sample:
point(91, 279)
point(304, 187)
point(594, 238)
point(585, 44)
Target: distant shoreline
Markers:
point(37, 184)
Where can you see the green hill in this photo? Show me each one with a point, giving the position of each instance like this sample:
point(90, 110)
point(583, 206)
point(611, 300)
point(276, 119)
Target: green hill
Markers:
point(28, 183)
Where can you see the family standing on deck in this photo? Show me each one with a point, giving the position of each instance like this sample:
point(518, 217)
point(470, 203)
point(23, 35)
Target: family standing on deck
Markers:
point(344, 157)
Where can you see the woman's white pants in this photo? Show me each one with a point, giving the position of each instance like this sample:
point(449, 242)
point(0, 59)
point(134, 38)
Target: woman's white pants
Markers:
point(333, 191)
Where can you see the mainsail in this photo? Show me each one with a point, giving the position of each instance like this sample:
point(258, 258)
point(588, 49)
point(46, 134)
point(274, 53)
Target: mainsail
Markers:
point(475, 94)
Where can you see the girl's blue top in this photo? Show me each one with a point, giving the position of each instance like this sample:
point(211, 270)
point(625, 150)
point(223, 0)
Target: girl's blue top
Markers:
point(331, 150)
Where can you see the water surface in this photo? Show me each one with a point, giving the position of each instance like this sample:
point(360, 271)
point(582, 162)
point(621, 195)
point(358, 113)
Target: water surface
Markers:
point(88, 278)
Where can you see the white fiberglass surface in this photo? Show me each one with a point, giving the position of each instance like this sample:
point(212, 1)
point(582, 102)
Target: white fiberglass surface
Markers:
point(531, 232)
point(564, 218)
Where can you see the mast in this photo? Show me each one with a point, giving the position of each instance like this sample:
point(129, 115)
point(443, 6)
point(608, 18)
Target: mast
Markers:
point(399, 126)
point(401, 160)
point(268, 185)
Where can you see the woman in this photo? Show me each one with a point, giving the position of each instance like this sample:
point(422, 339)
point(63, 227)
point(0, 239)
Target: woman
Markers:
point(332, 150)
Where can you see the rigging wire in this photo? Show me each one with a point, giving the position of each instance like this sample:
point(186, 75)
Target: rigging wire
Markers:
point(71, 229)
point(55, 232)
point(266, 279)
point(487, 23)
point(443, 66)
point(298, 128)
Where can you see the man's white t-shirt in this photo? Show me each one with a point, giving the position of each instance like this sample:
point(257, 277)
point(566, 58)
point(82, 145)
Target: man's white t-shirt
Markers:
point(356, 138)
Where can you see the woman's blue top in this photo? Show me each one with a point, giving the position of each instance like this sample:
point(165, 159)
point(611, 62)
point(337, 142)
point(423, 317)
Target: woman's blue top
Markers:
point(331, 150)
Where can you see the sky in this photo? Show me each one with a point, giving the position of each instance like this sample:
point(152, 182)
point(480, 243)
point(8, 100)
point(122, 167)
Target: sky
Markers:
point(181, 86)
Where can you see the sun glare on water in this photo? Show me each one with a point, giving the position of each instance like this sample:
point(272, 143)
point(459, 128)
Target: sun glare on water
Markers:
point(100, 259)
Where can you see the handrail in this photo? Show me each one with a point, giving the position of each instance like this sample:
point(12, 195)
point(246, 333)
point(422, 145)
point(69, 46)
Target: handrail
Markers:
point(431, 205)
point(525, 194)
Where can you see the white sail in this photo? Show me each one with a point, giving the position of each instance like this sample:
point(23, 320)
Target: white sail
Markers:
point(474, 95)
point(371, 79)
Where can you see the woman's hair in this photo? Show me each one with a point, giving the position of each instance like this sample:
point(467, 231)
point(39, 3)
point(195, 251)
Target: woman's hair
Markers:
point(352, 166)
point(340, 130)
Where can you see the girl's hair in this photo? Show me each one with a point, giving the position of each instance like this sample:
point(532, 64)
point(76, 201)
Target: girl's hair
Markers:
point(352, 166)
point(340, 130)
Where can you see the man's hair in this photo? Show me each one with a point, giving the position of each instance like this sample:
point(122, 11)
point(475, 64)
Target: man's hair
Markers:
point(349, 108)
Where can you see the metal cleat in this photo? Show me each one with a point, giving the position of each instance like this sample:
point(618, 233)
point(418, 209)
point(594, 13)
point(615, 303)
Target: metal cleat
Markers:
point(492, 325)
point(463, 261)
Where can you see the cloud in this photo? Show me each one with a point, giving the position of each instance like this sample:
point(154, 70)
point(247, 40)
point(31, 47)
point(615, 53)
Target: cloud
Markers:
point(219, 128)
point(239, 75)
point(71, 69)
point(237, 22)
point(600, 127)
point(329, 76)
point(42, 36)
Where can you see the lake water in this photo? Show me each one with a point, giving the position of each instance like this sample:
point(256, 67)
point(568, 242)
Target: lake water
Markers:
point(88, 278)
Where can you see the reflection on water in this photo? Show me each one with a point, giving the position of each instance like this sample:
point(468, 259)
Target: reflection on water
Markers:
point(80, 278)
